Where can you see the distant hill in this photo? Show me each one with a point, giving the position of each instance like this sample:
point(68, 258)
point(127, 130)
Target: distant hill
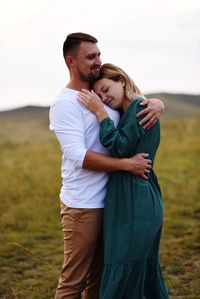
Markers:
point(193, 100)
point(26, 110)
point(176, 105)
point(24, 124)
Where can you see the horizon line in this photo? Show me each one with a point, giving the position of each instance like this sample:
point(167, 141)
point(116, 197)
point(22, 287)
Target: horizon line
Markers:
point(47, 106)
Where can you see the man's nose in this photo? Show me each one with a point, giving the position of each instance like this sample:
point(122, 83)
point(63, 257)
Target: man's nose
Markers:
point(98, 61)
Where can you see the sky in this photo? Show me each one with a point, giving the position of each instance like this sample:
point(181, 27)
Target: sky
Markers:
point(157, 42)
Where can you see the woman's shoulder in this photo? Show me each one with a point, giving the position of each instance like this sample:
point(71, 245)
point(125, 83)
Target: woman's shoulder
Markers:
point(137, 101)
point(135, 105)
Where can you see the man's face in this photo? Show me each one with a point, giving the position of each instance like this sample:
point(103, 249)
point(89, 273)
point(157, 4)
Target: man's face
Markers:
point(87, 62)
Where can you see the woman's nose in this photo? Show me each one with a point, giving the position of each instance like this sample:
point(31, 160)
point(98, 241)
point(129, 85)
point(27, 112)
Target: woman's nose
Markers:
point(104, 99)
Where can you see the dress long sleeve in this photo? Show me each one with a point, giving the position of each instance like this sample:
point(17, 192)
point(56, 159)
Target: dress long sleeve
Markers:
point(121, 141)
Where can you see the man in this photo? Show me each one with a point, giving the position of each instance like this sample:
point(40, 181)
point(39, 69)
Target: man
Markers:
point(85, 164)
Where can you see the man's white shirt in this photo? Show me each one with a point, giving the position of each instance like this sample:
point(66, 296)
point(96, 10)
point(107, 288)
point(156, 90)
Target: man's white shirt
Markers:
point(77, 130)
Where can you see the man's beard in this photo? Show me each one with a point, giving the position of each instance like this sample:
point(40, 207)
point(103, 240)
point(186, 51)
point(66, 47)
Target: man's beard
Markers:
point(91, 77)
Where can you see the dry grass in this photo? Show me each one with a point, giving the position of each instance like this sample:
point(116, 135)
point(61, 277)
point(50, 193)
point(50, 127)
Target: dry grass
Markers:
point(30, 239)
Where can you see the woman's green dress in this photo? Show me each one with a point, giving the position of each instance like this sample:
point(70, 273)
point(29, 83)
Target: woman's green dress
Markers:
point(133, 215)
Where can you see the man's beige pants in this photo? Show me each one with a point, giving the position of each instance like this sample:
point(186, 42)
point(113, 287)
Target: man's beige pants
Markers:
point(83, 253)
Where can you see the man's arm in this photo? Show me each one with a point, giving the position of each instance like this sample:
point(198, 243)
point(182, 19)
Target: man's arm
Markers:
point(67, 123)
point(154, 110)
point(138, 165)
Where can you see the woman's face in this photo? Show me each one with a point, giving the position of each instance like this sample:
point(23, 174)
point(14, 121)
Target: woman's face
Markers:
point(110, 92)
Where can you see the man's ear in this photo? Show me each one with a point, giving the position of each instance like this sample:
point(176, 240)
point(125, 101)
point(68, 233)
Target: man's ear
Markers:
point(69, 61)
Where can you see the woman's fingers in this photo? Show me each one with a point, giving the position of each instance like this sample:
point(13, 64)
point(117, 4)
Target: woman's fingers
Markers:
point(86, 91)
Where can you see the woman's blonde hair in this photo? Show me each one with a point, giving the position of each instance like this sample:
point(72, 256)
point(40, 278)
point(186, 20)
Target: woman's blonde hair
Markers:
point(113, 72)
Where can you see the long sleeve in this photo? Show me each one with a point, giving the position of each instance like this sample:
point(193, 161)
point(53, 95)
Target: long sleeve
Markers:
point(67, 123)
point(121, 141)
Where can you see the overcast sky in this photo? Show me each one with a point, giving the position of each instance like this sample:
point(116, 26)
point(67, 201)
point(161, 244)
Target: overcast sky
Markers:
point(156, 41)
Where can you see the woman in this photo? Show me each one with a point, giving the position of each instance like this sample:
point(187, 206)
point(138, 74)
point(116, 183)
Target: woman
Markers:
point(133, 212)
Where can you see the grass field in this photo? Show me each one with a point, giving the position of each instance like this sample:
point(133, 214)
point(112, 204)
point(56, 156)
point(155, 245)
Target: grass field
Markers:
point(30, 234)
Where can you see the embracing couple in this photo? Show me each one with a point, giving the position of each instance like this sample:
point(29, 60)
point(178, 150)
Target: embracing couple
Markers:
point(111, 203)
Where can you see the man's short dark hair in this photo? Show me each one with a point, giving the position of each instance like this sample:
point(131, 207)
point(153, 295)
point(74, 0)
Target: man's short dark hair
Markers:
point(73, 41)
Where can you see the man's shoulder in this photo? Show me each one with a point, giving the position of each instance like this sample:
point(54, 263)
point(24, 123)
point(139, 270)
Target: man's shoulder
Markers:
point(64, 110)
point(66, 98)
point(67, 95)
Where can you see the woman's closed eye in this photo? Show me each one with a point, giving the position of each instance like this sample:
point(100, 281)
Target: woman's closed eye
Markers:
point(105, 90)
